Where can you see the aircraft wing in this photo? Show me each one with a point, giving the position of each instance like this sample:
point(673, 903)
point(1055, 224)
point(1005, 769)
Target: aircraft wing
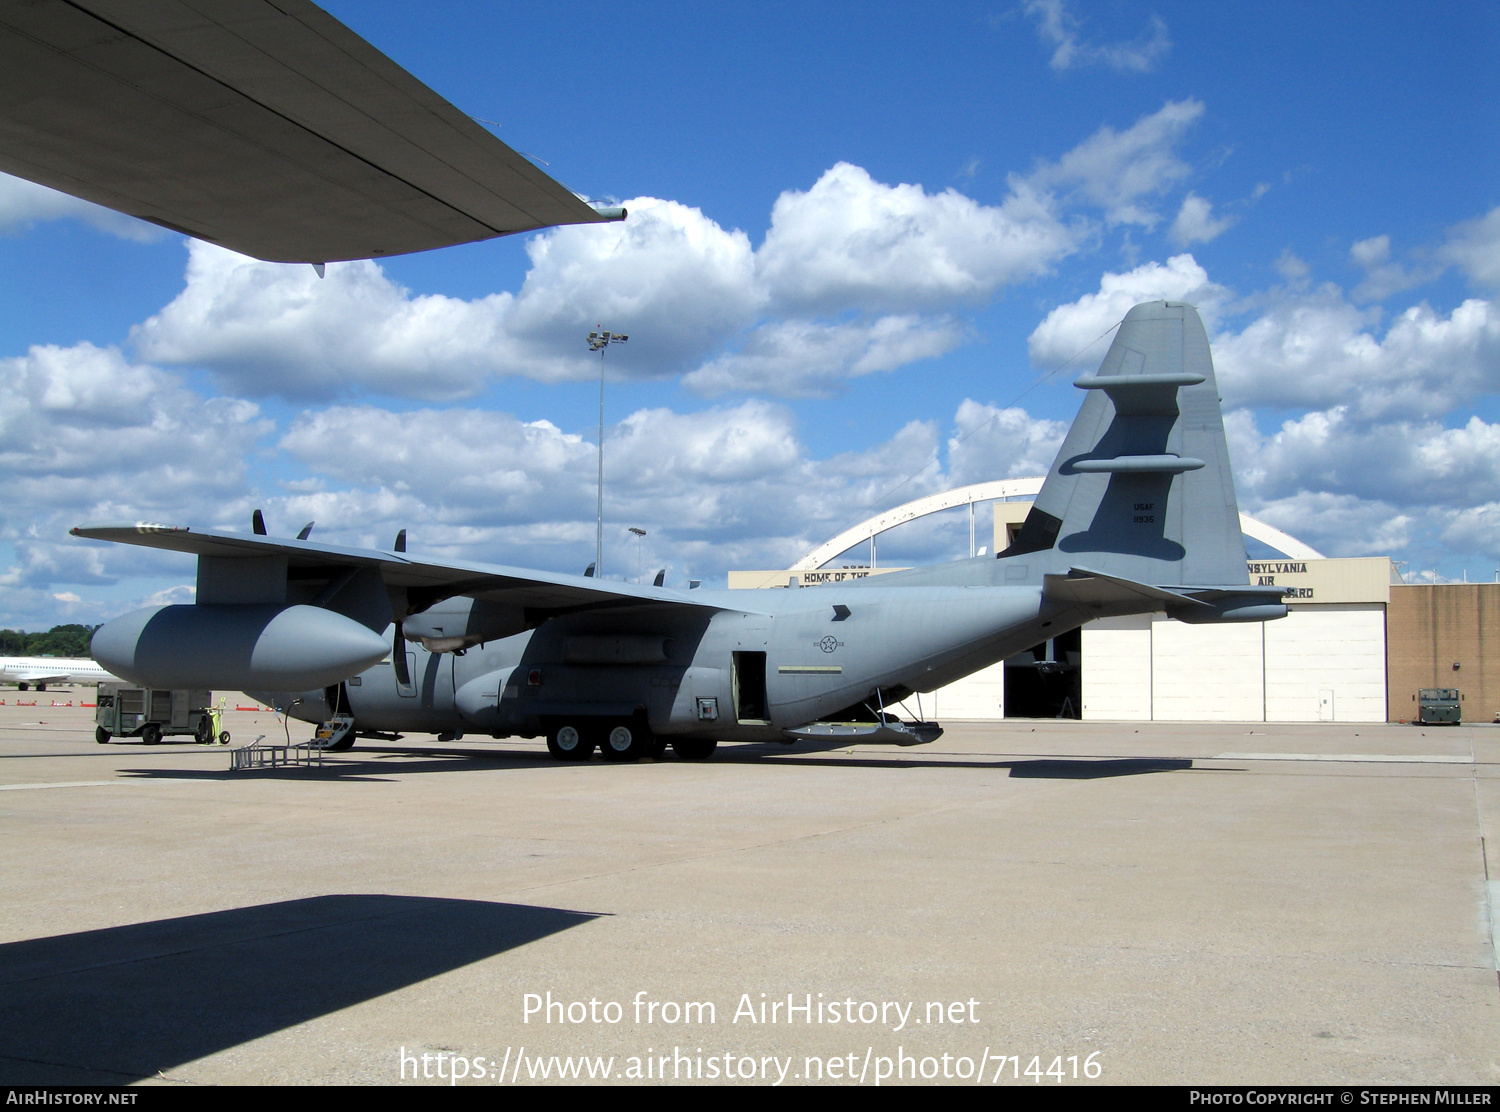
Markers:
point(541, 594)
point(266, 126)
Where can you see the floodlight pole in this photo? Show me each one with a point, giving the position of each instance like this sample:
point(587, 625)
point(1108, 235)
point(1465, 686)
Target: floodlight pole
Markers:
point(640, 536)
point(598, 341)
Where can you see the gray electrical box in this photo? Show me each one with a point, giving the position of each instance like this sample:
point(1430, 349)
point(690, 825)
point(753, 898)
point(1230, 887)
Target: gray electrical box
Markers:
point(1439, 706)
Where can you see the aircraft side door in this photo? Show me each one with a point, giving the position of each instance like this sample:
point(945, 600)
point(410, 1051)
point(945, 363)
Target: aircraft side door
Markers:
point(748, 673)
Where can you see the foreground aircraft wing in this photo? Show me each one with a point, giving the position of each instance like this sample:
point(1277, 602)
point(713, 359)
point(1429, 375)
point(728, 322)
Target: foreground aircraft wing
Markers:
point(420, 583)
point(266, 126)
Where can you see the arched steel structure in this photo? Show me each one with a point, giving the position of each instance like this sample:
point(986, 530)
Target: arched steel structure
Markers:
point(992, 491)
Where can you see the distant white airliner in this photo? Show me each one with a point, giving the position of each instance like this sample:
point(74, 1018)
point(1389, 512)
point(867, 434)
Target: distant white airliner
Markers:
point(42, 670)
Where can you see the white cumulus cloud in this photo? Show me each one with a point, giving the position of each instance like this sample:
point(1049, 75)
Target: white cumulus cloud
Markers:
point(24, 203)
point(804, 358)
point(674, 278)
point(851, 242)
point(1319, 350)
point(1196, 223)
point(1382, 276)
point(1121, 171)
point(854, 276)
point(1475, 247)
point(1060, 29)
point(1069, 329)
point(88, 437)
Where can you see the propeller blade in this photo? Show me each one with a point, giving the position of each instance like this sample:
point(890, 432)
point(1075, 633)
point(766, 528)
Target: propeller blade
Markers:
point(398, 657)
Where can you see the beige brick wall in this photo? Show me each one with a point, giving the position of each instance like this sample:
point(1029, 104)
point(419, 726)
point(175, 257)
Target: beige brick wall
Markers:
point(1428, 629)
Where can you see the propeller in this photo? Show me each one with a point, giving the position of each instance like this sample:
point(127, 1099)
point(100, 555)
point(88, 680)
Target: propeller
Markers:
point(306, 531)
point(258, 523)
point(398, 657)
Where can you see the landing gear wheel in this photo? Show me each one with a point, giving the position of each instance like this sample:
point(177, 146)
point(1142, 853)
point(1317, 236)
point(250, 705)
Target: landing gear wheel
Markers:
point(694, 748)
point(659, 747)
point(568, 742)
point(205, 734)
point(150, 734)
point(101, 735)
point(627, 741)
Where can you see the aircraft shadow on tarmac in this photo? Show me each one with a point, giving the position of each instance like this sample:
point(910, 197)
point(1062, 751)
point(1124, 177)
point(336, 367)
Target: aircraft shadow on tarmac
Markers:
point(367, 764)
point(1086, 768)
point(1042, 768)
point(109, 1006)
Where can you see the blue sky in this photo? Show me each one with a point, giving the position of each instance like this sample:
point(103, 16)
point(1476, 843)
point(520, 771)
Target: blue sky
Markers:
point(864, 239)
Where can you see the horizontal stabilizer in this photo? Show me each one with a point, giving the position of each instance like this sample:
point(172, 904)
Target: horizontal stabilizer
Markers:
point(1196, 605)
point(1095, 590)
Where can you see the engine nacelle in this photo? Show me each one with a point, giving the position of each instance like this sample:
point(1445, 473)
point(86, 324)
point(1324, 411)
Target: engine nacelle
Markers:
point(460, 623)
point(229, 647)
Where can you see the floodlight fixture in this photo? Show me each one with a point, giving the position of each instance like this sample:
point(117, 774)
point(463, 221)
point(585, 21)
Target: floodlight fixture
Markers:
point(640, 537)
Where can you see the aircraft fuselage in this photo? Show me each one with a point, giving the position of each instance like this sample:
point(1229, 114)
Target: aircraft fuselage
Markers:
point(732, 674)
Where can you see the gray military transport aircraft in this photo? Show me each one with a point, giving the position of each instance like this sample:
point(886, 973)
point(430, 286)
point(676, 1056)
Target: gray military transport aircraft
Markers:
point(1138, 514)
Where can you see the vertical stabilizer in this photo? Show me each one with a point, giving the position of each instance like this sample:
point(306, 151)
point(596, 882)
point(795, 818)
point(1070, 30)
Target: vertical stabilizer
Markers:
point(1142, 486)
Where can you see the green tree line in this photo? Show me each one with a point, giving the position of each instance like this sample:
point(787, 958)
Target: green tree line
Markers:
point(63, 640)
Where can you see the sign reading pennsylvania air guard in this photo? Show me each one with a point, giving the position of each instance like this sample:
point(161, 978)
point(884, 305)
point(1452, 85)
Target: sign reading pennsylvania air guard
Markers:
point(1314, 581)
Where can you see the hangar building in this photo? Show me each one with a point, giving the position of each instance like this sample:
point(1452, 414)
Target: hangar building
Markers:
point(1355, 646)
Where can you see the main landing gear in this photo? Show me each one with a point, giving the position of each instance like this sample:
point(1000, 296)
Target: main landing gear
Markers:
point(627, 741)
point(618, 740)
point(570, 741)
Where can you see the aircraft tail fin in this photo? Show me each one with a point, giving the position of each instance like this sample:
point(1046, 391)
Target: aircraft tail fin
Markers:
point(1142, 488)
